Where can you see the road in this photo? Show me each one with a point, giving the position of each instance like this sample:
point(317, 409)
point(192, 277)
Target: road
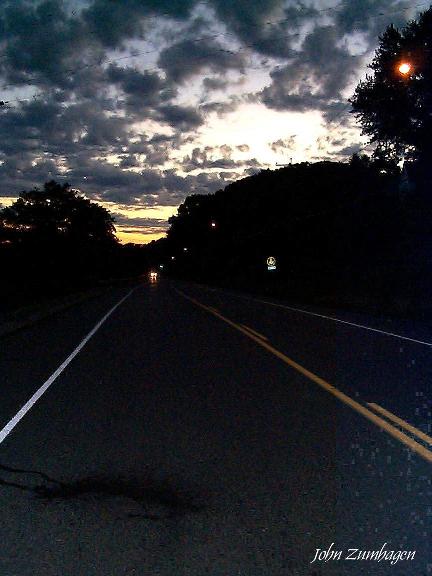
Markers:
point(182, 430)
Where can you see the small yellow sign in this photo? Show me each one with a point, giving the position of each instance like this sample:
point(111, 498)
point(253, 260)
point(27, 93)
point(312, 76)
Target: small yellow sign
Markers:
point(271, 263)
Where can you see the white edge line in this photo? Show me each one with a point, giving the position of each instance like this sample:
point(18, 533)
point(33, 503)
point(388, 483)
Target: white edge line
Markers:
point(23, 411)
point(335, 320)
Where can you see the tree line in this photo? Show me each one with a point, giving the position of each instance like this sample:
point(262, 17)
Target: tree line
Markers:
point(359, 230)
point(54, 240)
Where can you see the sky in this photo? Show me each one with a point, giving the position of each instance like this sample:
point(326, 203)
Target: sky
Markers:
point(139, 103)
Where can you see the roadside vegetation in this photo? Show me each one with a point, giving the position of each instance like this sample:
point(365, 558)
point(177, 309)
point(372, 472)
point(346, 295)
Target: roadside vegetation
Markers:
point(54, 241)
point(356, 232)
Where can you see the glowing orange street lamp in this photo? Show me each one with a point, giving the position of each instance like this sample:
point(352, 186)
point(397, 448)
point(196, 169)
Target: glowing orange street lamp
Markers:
point(404, 68)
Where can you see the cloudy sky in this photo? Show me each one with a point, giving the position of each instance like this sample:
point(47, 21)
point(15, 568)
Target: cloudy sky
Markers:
point(138, 103)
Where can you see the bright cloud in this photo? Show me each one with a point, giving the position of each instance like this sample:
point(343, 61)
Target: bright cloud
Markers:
point(141, 102)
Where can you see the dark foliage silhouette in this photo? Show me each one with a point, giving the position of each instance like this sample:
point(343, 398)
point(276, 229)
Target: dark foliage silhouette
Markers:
point(53, 241)
point(342, 234)
point(356, 232)
point(394, 107)
point(57, 214)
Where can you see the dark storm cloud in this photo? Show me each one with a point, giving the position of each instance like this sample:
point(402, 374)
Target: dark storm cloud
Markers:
point(25, 129)
point(184, 118)
point(143, 90)
point(324, 65)
point(68, 134)
point(212, 84)
point(343, 147)
point(286, 144)
point(348, 151)
point(157, 150)
point(268, 27)
point(114, 21)
point(278, 96)
point(316, 77)
point(331, 67)
point(104, 176)
point(111, 183)
point(337, 141)
point(45, 44)
point(47, 47)
point(337, 112)
point(226, 106)
point(129, 161)
point(17, 174)
point(89, 108)
point(185, 59)
point(47, 126)
point(134, 82)
point(157, 155)
point(42, 140)
point(370, 16)
point(78, 136)
point(201, 158)
point(149, 186)
point(40, 42)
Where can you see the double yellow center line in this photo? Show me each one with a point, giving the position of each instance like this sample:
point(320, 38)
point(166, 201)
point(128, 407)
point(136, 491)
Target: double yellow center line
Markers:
point(359, 408)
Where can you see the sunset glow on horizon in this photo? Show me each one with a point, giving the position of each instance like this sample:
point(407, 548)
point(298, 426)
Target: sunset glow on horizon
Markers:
point(179, 99)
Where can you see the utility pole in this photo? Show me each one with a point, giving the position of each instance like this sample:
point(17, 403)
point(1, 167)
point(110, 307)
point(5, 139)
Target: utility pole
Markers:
point(290, 162)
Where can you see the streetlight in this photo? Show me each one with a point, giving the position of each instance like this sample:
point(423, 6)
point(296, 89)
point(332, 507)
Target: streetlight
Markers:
point(404, 68)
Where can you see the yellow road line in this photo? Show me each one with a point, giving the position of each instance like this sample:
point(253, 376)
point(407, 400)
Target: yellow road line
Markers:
point(254, 332)
point(401, 422)
point(359, 408)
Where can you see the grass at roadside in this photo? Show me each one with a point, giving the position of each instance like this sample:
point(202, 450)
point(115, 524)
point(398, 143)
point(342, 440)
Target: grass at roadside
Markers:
point(21, 317)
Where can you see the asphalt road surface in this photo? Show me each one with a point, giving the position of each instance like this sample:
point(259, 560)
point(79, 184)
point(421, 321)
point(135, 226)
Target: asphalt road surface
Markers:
point(180, 430)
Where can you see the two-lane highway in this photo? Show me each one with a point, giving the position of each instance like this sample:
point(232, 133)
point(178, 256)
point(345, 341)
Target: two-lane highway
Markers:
point(177, 430)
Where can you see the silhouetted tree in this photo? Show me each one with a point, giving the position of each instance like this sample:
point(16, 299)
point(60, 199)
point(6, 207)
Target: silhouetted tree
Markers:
point(394, 106)
point(57, 214)
point(53, 240)
point(316, 217)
